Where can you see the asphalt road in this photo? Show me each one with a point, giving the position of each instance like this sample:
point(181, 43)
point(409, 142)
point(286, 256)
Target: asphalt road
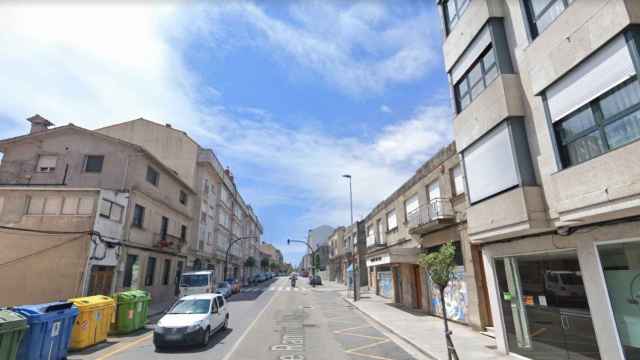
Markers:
point(275, 321)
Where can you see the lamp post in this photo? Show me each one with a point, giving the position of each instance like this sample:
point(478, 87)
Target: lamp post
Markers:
point(353, 253)
point(226, 257)
point(313, 259)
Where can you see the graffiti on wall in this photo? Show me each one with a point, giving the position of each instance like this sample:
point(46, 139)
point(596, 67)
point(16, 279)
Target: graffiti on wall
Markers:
point(455, 297)
point(385, 284)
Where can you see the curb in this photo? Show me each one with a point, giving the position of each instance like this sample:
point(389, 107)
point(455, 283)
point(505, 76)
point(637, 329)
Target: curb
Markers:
point(410, 342)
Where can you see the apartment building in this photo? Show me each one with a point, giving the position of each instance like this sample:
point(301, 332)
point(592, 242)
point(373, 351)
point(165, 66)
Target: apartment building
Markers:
point(222, 216)
point(142, 198)
point(546, 99)
point(337, 261)
point(427, 211)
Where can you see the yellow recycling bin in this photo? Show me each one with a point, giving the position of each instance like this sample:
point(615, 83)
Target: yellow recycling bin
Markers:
point(92, 324)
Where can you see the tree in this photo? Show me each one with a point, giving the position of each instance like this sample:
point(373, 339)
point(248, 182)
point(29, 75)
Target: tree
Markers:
point(250, 262)
point(440, 265)
point(264, 263)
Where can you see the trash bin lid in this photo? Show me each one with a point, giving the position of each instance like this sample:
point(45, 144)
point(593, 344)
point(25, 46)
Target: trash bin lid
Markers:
point(10, 321)
point(87, 302)
point(132, 296)
point(35, 313)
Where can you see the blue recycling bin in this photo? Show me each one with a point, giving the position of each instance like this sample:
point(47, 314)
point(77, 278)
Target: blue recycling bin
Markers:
point(49, 330)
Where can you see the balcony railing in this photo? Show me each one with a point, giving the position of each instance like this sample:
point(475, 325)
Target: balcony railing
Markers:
point(168, 241)
point(438, 213)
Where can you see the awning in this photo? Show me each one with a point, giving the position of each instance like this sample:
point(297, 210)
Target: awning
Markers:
point(394, 256)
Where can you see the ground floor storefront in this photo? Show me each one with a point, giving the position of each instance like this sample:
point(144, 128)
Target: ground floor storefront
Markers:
point(393, 273)
point(568, 297)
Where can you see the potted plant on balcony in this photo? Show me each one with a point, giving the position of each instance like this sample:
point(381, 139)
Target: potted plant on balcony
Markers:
point(440, 265)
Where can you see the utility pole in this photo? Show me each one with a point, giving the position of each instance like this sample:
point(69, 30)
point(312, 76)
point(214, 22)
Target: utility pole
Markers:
point(353, 253)
point(313, 271)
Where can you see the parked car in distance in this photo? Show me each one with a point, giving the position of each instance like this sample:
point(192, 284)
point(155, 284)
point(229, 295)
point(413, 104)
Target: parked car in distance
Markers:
point(235, 285)
point(223, 288)
point(315, 280)
point(197, 282)
point(191, 321)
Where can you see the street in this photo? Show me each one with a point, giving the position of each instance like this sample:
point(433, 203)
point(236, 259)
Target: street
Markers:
point(274, 321)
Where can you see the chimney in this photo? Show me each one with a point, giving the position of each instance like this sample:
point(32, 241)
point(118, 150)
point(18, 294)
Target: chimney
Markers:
point(38, 124)
point(167, 125)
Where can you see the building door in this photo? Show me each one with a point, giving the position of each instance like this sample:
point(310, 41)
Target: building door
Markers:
point(545, 307)
point(397, 277)
point(418, 282)
point(100, 280)
point(385, 284)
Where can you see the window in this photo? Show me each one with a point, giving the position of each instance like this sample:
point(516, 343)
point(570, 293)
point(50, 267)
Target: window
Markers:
point(111, 210)
point(151, 269)
point(164, 227)
point(130, 272)
point(453, 10)
point(380, 238)
point(166, 271)
point(138, 216)
point(392, 222)
point(605, 124)
point(206, 186)
point(153, 177)
point(93, 163)
point(203, 217)
point(411, 206)
point(183, 233)
point(481, 74)
point(47, 163)
point(457, 178)
point(490, 165)
point(220, 300)
point(541, 13)
point(457, 257)
point(183, 197)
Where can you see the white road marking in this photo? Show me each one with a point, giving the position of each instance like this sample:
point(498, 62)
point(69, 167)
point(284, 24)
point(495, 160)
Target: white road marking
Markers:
point(244, 334)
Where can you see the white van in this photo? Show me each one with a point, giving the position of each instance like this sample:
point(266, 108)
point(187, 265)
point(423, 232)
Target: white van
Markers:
point(197, 282)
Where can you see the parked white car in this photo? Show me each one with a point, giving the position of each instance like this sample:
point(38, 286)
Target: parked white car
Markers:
point(191, 321)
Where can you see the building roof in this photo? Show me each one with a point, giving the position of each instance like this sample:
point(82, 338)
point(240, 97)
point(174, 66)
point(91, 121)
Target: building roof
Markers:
point(71, 127)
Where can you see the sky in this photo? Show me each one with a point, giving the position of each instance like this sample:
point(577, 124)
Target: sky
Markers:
point(289, 95)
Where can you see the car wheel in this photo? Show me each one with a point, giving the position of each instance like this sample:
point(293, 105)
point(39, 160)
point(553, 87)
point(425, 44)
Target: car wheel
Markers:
point(205, 337)
point(225, 326)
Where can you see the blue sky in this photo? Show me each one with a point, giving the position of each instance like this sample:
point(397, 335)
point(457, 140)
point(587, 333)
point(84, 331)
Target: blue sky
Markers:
point(290, 95)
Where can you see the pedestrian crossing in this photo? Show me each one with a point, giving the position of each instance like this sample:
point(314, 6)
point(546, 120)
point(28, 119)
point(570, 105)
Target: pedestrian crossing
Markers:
point(274, 288)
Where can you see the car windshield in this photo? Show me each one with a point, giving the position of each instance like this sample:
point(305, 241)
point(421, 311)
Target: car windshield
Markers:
point(195, 306)
point(222, 284)
point(194, 280)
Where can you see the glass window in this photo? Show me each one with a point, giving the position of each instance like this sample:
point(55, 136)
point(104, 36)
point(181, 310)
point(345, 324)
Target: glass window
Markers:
point(165, 272)
point(151, 269)
point(152, 176)
point(392, 222)
point(47, 163)
point(541, 13)
point(621, 267)
point(131, 272)
point(458, 180)
point(93, 163)
point(138, 216)
point(111, 210)
point(480, 75)
point(608, 122)
point(196, 306)
point(182, 197)
point(453, 10)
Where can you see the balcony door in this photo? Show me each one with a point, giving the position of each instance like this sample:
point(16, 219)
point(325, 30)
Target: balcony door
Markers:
point(545, 307)
point(433, 190)
point(164, 226)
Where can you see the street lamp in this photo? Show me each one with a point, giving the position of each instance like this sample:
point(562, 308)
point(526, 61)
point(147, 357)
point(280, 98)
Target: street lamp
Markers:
point(353, 253)
point(313, 258)
point(226, 257)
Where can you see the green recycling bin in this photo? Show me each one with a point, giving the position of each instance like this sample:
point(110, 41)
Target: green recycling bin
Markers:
point(12, 329)
point(131, 312)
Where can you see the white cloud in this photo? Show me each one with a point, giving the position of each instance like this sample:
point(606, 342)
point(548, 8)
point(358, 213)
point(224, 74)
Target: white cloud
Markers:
point(385, 109)
point(362, 48)
point(95, 65)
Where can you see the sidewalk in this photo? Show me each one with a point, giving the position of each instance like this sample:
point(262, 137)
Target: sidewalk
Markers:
point(426, 332)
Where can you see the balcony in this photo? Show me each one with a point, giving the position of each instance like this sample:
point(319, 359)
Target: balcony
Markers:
point(168, 242)
point(431, 217)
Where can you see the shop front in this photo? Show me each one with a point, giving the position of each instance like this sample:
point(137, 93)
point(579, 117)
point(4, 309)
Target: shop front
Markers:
point(569, 297)
point(393, 271)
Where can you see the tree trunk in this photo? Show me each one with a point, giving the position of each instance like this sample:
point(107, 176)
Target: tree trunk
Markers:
point(451, 350)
